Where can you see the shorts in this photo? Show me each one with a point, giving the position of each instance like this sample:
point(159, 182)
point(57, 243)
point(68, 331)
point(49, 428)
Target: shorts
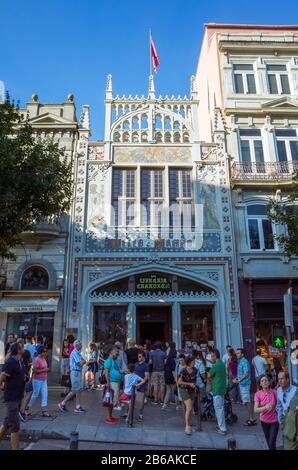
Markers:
point(187, 394)
point(158, 379)
point(245, 393)
point(76, 380)
point(124, 397)
point(28, 387)
point(93, 368)
point(64, 364)
point(12, 420)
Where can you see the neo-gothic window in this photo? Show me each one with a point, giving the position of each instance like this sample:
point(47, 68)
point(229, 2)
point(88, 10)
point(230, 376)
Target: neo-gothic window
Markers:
point(152, 198)
point(244, 78)
point(287, 146)
point(260, 229)
point(35, 278)
point(278, 79)
point(181, 200)
point(123, 196)
point(251, 147)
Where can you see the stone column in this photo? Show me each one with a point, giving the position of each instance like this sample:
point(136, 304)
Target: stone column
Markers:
point(176, 324)
point(131, 321)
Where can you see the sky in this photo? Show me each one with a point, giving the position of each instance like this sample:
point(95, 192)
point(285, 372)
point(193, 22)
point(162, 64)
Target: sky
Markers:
point(56, 47)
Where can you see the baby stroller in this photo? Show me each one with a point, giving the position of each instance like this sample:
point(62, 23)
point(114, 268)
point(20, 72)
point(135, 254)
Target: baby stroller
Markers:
point(208, 411)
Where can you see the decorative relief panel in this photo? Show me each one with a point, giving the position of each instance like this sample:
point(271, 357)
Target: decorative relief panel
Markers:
point(152, 154)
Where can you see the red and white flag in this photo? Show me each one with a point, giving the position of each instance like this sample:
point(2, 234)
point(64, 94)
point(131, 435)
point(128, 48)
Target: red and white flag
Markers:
point(154, 56)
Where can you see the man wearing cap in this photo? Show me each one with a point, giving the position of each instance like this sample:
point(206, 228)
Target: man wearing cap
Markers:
point(76, 365)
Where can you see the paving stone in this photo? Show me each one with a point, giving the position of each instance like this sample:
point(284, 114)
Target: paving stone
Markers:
point(86, 432)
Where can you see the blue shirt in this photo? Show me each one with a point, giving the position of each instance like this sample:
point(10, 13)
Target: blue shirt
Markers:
point(243, 366)
point(201, 370)
point(140, 370)
point(283, 400)
point(74, 360)
point(114, 369)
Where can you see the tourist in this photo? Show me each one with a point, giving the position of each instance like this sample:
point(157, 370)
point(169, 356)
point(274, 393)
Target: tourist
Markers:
point(265, 404)
point(218, 375)
point(113, 375)
point(64, 366)
point(244, 381)
point(40, 371)
point(157, 359)
point(290, 431)
point(232, 374)
point(10, 341)
point(13, 375)
point(27, 362)
point(146, 350)
point(181, 364)
point(209, 363)
point(187, 387)
point(71, 340)
point(131, 380)
point(76, 362)
point(38, 344)
point(92, 366)
point(225, 357)
point(29, 346)
point(260, 365)
point(131, 352)
point(285, 393)
point(122, 356)
point(142, 370)
point(200, 365)
point(170, 365)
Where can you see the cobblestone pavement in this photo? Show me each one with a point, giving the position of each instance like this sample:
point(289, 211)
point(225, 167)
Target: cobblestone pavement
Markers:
point(160, 429)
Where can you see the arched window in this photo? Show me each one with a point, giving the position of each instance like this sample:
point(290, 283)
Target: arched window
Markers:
point(260, 230)
point(126, 125)
point(135, 123)
point(144, 137)
point(144, 121)
point(116, 137)
point(168, 124)
point(158, 137)
point(168, 137)
point(35, 278)
point(177, 137)
point(186, 137)
point(125, 137)
point(158, 122)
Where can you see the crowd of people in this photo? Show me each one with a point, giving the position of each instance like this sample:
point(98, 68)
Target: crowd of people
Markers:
point(141, 373)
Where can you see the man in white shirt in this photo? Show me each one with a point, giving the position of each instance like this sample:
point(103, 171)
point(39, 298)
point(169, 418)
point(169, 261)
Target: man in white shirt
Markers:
point(260, 365)
point(29, 346)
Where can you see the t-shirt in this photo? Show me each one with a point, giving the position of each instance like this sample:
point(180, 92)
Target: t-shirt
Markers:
point(39, 363)
point(15, 381)
point(189, 377)
point(158, 360)
point(259, 364)
point(114, 369)
point(201, 370)
point(31, 348)
point(169, 369)
point(263, 398)
point(140, 370)
point(218, 374)
point(243, 366)
point(129, 381)
point(225, 359)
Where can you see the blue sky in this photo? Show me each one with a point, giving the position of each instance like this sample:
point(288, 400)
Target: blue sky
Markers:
point(56, 47)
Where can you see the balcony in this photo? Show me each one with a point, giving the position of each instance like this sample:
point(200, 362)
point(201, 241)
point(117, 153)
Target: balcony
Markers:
point(267, 173)
point(46, 229)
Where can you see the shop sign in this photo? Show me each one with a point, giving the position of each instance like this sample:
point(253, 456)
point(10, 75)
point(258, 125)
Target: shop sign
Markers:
point(153, 282)
point(32, 306)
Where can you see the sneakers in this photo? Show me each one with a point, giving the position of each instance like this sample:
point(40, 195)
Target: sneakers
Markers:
point(62, 407)
point(164, 407)
point(141, 417)
point(145, 400)
point(79, 410)
point(111, 421)
point(22, 416)
point(155, 402)
point(124, 416)
point(222, 433)
point(118, 408)
point(178, 407)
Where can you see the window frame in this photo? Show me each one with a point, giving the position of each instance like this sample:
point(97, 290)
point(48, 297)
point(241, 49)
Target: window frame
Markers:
point(259, 218)
point(251, 140)
point(287, 140)
point(278, 73)
point(244, 74)
point(124, 199)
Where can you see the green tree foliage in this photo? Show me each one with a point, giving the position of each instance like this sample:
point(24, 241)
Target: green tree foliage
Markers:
point(35, 178)
point(285, 215)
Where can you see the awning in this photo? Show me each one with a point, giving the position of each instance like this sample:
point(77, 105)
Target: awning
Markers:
point(29, 305)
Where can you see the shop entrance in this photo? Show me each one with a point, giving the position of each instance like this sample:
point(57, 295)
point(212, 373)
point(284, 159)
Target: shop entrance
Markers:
point(153, 324)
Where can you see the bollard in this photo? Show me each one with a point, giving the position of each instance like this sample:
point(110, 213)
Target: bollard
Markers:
point(74, 441)
point(199, 425)
point(231, 444)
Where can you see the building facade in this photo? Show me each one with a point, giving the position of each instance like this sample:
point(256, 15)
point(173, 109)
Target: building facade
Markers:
point(33, 286)
point(151, 247)
point(252, 76)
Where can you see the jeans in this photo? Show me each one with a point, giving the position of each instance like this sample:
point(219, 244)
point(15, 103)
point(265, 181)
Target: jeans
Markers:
point(270, 431)
point(39, 386)
point(218, 403)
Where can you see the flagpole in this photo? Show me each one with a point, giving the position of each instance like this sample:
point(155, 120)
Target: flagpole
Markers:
point(150, 55)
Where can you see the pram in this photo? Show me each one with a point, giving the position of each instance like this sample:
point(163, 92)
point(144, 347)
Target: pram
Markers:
point(208, 411)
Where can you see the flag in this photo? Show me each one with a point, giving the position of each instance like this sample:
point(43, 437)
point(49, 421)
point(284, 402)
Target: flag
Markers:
point(154, 56)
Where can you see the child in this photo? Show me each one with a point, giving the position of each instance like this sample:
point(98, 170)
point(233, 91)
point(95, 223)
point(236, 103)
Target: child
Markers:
point(131, 379)
point(92, 364)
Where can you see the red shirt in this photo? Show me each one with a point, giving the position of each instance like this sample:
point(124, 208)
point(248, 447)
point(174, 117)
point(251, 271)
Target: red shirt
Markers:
point(262, 398)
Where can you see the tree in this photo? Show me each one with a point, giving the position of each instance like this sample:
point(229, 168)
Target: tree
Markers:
point(285, 214)
point(35, 178)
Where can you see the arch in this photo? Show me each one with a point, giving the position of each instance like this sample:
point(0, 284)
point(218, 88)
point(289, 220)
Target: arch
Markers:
point(38, 263)
point(144, 121)
point(177, 137)
point(116, 137)
point(168, 137)
point(144, 137)
point(125, 137)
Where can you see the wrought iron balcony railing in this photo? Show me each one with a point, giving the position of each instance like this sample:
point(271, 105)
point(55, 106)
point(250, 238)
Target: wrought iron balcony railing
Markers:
point(263, 171)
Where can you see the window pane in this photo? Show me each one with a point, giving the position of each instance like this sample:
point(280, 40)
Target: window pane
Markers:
point(158, 189)
point(130, 183)
point(257, 209)
point(250, 132)
point(245, 151)
point(129, 212)
point(285, 132)
point(268, 235)
point(251, 85)
point(145, 184)
point(294, 150)
point(174, 189)
point(186, 184)
point(238, 83)
point(281, 151)
point(254, 234)
point(259, 155)
point(285, 87)
point(243, 67)
point(272, 84)
point(117, 183)
point(277, 67)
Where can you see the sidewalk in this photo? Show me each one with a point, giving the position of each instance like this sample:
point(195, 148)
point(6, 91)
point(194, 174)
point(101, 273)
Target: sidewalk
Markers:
point(160, 428)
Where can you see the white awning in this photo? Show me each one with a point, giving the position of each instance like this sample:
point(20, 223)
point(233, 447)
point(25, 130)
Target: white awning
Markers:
point(28, 305)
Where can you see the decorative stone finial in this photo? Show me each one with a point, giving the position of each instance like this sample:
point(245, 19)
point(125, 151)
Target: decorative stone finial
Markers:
point(34, 98)
point(193, 87)
point(109, 87)
point(70, 97)
point(151, 88)
point(85, 118)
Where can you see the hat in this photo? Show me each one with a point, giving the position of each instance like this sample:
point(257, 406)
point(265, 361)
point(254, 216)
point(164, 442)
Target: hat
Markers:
point(77, 342)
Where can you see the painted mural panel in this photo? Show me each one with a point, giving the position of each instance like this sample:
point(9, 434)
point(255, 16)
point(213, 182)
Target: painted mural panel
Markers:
point(152, 154)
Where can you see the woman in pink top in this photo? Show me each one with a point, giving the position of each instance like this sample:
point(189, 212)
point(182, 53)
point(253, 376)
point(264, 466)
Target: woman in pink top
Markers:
point(265, 404)
point(39, 381)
